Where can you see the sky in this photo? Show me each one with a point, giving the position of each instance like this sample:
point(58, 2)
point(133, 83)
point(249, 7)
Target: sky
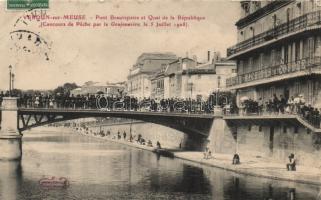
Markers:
point(80, 54)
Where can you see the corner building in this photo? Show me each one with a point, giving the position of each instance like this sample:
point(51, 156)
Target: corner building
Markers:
point(278, 52)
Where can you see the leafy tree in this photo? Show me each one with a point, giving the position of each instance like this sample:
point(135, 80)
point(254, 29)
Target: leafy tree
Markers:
point(65, 88)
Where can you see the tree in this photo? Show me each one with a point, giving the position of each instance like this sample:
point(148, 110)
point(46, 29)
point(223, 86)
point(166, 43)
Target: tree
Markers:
point(66, 88)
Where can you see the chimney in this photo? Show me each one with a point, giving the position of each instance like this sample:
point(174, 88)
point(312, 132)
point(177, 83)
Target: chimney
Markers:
point(194, 61)
point(208, 56)
point(217, 56)
point(195, 58)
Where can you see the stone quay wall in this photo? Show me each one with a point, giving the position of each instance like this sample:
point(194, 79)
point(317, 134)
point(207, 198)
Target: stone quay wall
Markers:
point(168, 137)
point(266, 142)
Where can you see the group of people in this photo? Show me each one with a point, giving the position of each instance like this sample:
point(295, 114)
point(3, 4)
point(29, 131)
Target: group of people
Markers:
point(123, 136)
point(208, 155)
point(290, 166)
point(274, 105)
point(281, 105)
point(101, 101)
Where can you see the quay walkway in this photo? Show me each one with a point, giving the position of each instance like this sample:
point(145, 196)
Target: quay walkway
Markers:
point(250, 165)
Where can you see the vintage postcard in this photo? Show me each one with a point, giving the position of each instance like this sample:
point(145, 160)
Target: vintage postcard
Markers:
point(149, 99)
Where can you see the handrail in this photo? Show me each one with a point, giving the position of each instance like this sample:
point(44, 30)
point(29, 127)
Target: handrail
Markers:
point(276, 70)
point(296, 24)
point(299, 117)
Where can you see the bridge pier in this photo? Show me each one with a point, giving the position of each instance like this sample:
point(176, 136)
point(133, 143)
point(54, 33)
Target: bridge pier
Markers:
point(10, 137)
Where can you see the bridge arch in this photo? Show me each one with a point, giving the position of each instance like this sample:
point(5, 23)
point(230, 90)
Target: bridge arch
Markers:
point(195, 126)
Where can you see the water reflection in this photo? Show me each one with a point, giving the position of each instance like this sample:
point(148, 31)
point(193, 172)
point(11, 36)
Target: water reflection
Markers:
point(10, 179)
point(98, 169)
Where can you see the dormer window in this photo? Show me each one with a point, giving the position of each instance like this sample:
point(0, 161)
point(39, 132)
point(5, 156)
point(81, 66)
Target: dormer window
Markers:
point(252, 29)
point(246, 6)
point(257, 4)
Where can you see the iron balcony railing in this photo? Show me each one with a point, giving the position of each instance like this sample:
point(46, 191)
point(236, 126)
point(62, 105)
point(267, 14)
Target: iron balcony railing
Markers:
point(296, 24)
point(315, 123)
point(275, 71)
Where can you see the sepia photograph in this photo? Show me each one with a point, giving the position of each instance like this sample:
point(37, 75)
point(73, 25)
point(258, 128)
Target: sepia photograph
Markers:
point(150, 99)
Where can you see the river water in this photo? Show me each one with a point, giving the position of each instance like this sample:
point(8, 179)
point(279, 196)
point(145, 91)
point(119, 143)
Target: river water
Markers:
point(97, 169)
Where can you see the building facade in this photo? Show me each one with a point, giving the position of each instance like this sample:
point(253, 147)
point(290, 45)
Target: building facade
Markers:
point(278, 46)
point(277, 53)
point(147, 64)
point(94, 88)
point(186, 78)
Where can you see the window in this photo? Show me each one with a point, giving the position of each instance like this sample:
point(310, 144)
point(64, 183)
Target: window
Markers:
point(288, 17)
point(297, 51)
point(250, 66)
point(284, 129)
point(273, 56)
point(297, 88)
point(257, 4)
point(260, 128)
point(184, 66)
point(296, 129)
point(246, 6)
point(311, 47)
point(253, 31)
point(219, 81)
point(274, 18)
point(249, 128)
point(272, 91)
point(241, 67)
point(310, 90)
point(261, 60)
point(233, 70)
point(299, 5)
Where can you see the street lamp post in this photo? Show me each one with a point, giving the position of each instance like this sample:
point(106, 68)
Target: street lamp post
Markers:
point(217, 96)
point(10, 76)
point(217, 108)
point(12, 81)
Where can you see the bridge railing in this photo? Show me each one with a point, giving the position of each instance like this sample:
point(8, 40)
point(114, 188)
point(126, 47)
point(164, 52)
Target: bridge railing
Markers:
point(175, 107)
point(313, 120)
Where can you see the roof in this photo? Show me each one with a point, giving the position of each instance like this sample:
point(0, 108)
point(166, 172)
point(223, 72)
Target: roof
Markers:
point(199, 71)
point(206, 66)
point(155, 56)
point(156, 62)
point(177, 60)
point(102, 84)
point(175, 66)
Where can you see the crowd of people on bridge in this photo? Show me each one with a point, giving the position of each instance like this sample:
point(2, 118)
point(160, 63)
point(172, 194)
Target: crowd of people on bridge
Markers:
point(281, 105)
point(275, 105)
point(104, 102)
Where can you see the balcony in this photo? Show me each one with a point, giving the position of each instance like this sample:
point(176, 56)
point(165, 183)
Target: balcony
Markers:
point(305, 66)
point(297, 24)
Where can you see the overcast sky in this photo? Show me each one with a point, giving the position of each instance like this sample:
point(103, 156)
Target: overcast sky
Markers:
point(106, 54)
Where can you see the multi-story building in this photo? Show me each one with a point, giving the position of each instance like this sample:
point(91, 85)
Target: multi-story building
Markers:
point(278, 52)
point(147, 64)
point(175, 80)
point(158, 84)
point(187, 78)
